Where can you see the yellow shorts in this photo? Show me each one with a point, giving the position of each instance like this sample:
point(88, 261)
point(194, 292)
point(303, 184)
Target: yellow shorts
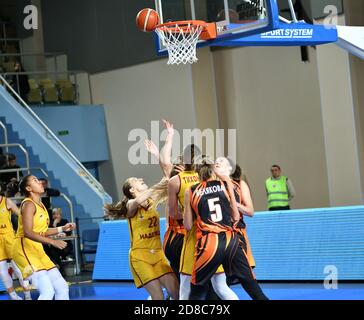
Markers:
point(188, 253)
point(147, 265)
point(30, 257)
point(6, 245)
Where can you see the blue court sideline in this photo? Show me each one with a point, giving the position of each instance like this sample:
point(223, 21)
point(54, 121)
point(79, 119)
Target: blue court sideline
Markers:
point(275, 291)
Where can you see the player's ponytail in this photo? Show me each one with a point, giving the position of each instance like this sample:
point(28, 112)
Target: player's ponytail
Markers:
point(119, 210)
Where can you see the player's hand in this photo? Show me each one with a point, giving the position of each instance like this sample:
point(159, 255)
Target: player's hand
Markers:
point(169, 127)
point(152, 148)
point(179, 168)
point(59, 244)
point(61, 235)
point(69, 227)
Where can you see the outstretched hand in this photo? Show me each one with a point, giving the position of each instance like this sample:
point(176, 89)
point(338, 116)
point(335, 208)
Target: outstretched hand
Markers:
point(151, 147)
point(169, 126)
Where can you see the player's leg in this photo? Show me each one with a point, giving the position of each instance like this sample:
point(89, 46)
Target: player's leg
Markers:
point(184, 286)
point(154, 289)
point(7, 280)
point(221, 288)
point(60, 285)
point(23, 283)
point(239, 270)
point(210, 251)
point(41, 281)
point(170, 282)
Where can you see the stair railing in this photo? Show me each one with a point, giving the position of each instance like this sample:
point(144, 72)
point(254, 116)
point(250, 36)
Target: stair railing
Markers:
point(49, 133)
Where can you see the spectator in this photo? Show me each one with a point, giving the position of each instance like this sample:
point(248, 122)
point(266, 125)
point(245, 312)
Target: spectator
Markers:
point(2, 158)
point(55, 254)
point(7, 177)
point(279, 190)
point(48, 193)
point(20, 82)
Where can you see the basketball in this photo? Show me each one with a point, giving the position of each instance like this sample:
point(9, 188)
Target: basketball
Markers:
point(147, 20)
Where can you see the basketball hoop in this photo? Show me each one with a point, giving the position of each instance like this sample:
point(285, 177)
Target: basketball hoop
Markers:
point(181, 37)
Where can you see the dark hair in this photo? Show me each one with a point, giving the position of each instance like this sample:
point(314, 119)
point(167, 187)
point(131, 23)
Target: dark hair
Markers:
point(190, 152)
point(119, 210)
point(276, 166)
point(236, 175)
point(12, 189)
point(23, 185)
point(11, 156)
point(204, 167)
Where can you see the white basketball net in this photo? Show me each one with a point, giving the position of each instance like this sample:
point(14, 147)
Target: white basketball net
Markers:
point(180, 42)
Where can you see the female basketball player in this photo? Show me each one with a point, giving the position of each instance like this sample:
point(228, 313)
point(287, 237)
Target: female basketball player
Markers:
point(244, 199)
point(7, 237)
point(217, 243)
point(148, 265)
point(175, 233)
point(33, 231)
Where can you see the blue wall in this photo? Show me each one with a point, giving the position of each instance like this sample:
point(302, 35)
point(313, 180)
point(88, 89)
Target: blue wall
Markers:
point(287, 245)
point(81, 128)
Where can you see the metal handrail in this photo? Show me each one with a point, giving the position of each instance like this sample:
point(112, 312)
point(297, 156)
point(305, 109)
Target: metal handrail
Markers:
point(72, 217)
point(92, 218)
point(45, 54)
point(44, 72)
point(24, 169)
point(5, 135)
point(55, 138)
point(73, 73)
point(18, 145)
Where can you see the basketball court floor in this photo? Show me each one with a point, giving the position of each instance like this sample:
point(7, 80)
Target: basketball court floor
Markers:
point(88, 290)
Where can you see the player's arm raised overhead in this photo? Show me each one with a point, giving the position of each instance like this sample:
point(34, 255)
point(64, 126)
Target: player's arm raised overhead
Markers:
point(165, 156)
point(188, 215)
point(133, 204)
point(173, 189)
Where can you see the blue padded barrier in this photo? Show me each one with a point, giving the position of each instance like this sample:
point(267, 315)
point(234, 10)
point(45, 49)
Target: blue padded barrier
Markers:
point(287, 245)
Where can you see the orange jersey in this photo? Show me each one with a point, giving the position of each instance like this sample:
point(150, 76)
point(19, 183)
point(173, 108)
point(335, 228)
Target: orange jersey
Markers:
point(211, 204)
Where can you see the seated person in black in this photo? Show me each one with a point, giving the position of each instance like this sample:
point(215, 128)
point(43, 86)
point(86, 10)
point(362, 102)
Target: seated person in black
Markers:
point(59, 256)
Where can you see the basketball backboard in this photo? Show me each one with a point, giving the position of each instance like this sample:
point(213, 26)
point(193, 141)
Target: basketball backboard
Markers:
point(234, 18)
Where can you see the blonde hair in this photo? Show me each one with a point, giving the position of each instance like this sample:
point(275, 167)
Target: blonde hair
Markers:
point(55, 210)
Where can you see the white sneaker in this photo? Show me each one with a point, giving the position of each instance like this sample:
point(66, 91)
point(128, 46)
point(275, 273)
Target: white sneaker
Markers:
point(15, 297)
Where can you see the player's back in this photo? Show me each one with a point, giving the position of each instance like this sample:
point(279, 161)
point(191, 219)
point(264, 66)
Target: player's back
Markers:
point(211, 204)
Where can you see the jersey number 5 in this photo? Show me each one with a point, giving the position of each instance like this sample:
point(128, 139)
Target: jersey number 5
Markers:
point(215, 209)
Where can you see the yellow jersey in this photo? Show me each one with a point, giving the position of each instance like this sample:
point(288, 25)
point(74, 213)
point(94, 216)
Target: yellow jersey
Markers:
point(5, 218)
point(187, 179)
point(144, 230)
point(40, 219)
